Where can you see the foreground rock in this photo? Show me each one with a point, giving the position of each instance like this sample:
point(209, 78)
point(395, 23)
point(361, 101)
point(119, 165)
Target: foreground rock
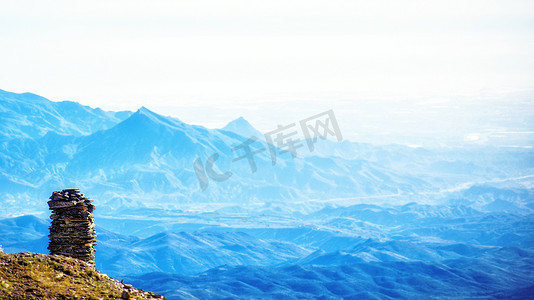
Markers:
point(39, 276)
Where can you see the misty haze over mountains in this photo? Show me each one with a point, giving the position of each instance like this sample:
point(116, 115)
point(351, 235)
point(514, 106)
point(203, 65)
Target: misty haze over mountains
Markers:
point(346, 220)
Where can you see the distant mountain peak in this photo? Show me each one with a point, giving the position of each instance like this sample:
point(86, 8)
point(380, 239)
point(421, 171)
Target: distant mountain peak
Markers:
point(145, 110)
point(240, 119)
point(148, 114)
point(157, 117)
point(149, 120)
point(144, 113)
point(242, 127)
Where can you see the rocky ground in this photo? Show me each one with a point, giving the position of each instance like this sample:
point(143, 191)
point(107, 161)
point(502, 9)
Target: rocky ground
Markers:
point(38, 276)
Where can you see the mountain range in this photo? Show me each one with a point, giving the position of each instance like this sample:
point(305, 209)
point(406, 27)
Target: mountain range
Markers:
point(148, 160)
point(145, 160)
point(345, 252)
point(346, 220)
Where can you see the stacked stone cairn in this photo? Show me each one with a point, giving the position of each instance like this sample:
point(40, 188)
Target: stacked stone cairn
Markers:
point(72, 232)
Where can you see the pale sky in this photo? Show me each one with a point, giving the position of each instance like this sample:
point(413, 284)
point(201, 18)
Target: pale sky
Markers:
point(385, 67)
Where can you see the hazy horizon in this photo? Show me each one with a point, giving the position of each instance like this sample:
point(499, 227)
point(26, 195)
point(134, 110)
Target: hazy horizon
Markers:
point(409, 72)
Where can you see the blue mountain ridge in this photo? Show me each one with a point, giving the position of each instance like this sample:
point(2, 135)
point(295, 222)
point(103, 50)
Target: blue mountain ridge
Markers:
point(151, 154)
point(238, 264)
point(348, 220)
point(28, 115)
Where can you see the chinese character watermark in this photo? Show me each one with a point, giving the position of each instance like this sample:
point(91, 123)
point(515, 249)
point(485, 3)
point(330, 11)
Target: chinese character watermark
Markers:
point(208, 170)
point(328, 118)
point(248, 153)
point(284, 139)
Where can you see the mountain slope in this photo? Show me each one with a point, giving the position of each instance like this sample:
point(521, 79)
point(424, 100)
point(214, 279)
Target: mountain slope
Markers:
point(455, 279)
point(183, 252)
point(148, 160)
point(158, 162)
point(36, 276)
point(31, 116)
